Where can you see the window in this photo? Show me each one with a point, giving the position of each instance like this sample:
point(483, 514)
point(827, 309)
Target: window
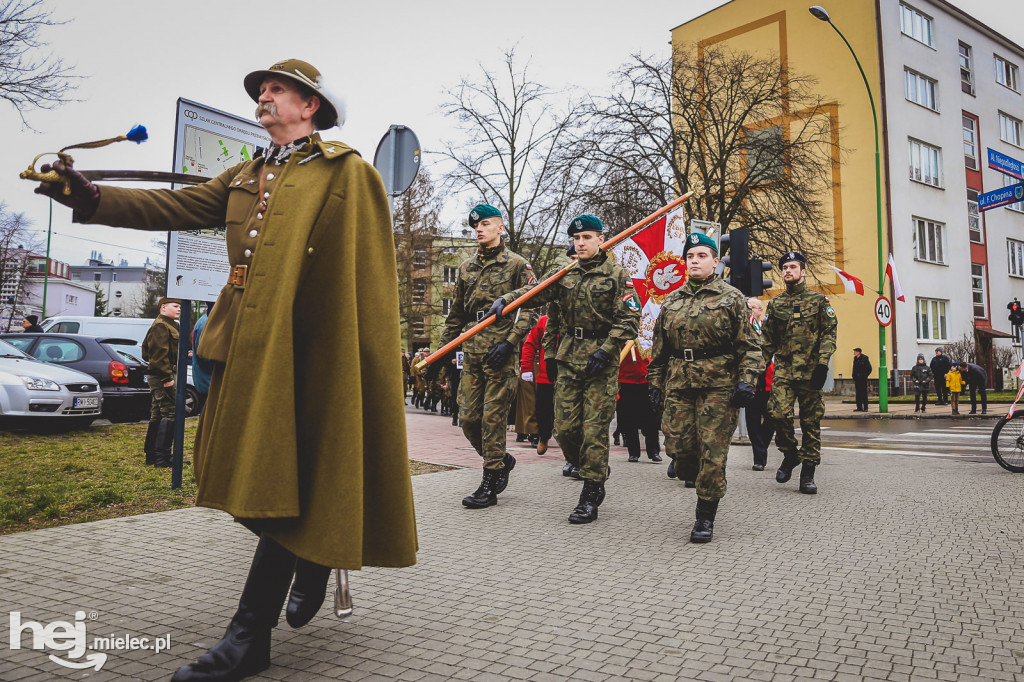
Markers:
point(1009, 129)
point(76, 277)
point(96, 276)
point(925, 163)
point(966, 69)
point(970, 143)
point(1015, 257)
point(419, 258)
point(1006, 73)
point(764, 154)
point(919, 89)
point(973, 217)
point(419, 292)
point(450, 274)
point(1007, 181)
point(59, 350)
point(929, 241)
point(916, 25)
point(931, 319)
point(978, 289)
point(113, 277)
point(419, 327)
point(446, 306)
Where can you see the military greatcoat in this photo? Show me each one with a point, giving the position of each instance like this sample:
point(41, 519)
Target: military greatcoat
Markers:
point(303, 437)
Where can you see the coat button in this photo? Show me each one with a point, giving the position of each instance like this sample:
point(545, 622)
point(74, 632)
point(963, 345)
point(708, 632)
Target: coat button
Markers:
point(270, 176)
point(247, 253)
point(310, 251)
point(253, 233)
point(266, 195)
point(238, 182)
point(259, 216)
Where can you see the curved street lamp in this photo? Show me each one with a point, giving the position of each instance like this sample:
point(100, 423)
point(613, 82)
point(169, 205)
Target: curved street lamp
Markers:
point(819, 12)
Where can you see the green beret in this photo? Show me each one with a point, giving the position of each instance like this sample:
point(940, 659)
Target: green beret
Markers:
point(699, 239)
point(481, 211)
point(585, 223)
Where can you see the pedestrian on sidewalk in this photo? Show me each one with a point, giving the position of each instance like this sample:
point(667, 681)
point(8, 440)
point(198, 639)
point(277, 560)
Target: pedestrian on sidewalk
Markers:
point(921, 375)
point(976, 379)
point(861, 372)
point(954, 384)
point(940, 365)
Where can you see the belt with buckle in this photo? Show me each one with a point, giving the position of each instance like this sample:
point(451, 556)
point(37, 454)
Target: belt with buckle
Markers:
point(691, 354)
point(581, 333)
point(237, 275)
point(480, 314)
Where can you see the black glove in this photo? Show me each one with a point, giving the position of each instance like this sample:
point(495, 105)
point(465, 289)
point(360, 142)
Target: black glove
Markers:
point(499, 354)
point(599, 360)
point(552, 367)
point(496, 309)
point(655, 398)
point(818, 377)
point(84, 197)
point(742, 395)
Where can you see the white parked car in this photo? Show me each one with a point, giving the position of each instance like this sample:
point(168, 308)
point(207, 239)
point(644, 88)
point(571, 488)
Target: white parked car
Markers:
point(38, 393)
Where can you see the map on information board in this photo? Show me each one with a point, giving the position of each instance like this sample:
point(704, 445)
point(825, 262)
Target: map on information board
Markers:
point(207, 142)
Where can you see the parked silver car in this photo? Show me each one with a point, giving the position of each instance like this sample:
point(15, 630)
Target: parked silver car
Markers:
point(37, 393)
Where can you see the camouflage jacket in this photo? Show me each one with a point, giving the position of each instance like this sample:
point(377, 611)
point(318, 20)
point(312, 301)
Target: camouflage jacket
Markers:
point(482, 278)
point(703, 338)
point(594, 307)
point(160, 348)
point(799, 332)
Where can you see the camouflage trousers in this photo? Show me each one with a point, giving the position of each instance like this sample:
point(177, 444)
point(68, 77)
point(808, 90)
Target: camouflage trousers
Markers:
point(583, 411)
point(162, 401)
point(812, 409)
point(485, 397)
point(698, 424)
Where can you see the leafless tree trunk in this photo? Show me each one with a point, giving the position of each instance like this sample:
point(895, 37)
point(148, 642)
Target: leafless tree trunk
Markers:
point(16, 244)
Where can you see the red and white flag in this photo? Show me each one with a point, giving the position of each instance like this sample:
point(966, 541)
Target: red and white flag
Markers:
point(890, 270)
point(852, 284)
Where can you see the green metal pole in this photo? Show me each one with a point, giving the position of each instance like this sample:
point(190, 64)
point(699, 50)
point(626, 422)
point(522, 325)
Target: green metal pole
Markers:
point(46, 272)
point(883, 369)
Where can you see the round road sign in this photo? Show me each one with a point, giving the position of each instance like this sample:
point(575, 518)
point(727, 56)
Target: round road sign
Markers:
point(883, 311)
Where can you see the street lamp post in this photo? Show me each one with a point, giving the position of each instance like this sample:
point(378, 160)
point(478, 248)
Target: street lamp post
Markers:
point(883, 369)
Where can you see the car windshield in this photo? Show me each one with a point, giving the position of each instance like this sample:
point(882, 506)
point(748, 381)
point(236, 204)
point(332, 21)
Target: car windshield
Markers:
point(9, 351)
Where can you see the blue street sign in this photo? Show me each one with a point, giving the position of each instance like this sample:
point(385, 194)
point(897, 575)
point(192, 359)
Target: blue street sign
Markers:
point(1001, 197)
point(1005, 164)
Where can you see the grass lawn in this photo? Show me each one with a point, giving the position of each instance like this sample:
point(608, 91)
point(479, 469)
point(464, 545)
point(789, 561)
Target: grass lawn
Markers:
point(993, 397)
point(99, 473)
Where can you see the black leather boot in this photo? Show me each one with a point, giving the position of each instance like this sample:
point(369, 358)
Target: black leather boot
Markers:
point(590, 499)
point(704, 526)
point(789, 462)
point(567, 470)
point(150, 446)
point(308, 592)
point(485, 495)
point(245, 648)
point(689, 484)
point(807, 484)
point(501, 482)
point(164, 441)
point(672, 468)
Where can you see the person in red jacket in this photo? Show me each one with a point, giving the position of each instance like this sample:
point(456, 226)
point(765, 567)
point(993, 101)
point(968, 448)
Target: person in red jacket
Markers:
point(533, 368)
point(635, 414)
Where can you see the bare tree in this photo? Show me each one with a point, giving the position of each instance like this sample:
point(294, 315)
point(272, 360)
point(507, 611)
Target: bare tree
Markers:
point(29, 79)
point(757, 136)
point(510, 131)
point(17, 242)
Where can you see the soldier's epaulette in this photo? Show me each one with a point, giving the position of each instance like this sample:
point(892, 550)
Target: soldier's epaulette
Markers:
point(332, 150)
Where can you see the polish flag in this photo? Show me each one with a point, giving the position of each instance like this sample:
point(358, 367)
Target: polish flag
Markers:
point(890, 270)
point(852, 284)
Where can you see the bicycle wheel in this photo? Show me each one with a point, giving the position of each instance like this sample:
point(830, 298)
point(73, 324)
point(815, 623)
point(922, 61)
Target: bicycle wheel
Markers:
point(1008, 443)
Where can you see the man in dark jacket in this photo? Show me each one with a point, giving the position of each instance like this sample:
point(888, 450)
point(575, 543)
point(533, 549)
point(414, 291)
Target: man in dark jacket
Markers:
point(940, 367)
point(861, 372)
point(160, 351)
point(976, 379)
point(31, 325)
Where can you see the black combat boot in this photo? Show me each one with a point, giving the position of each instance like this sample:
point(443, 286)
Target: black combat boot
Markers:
point(501, 482)
point(485, 495)
point(807, 485)
point(704, 526)
point(672, 469)
point(789, 462)
point(164, 441)
point(591, 498)
point(308, 592)
point(150, 447)
point(245, 648)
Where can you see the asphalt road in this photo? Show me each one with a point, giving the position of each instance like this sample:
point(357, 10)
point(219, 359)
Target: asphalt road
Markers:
point(967, 440)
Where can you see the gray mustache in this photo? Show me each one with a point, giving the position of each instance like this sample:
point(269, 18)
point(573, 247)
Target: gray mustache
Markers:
point(265, 107)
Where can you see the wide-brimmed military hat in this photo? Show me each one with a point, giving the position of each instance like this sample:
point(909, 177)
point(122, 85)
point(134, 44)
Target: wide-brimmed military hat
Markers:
point(332, 108)
point(700, 239)
point(793, 255)
point(481, 211)
point(585, 223)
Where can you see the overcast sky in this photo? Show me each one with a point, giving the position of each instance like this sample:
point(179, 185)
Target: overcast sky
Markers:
point(392, 61)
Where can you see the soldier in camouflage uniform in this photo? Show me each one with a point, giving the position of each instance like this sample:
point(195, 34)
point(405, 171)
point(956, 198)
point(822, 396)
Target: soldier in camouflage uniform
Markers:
point(597, 313)
point(800, 332)
point(160, 350)
point(418, 384)
point(491, 362)
point(704, 364)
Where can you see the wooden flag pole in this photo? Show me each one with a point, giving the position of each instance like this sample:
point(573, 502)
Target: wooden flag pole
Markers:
point(486, 322)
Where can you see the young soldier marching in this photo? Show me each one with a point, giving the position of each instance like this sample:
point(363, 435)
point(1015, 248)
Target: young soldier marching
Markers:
point(490, 367)
point(598, 312)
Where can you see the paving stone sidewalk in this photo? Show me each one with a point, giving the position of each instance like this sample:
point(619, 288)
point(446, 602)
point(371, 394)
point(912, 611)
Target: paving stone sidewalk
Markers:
point(902, 568)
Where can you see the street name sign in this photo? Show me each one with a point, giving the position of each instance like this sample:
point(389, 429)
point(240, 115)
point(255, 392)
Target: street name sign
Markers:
point(1005, 164)
point(1001, 197)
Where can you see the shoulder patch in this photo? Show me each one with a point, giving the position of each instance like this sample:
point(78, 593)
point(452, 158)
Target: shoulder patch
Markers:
point(629, 283)
point(632, 302)
point(830, 311)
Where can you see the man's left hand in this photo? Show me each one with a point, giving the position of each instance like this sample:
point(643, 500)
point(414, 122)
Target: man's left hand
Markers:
point(818, 377)
point(499, 354)
point(599, 359)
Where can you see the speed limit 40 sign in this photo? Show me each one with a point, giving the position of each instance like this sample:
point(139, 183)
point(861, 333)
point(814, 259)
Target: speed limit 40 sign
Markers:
point(883, 311)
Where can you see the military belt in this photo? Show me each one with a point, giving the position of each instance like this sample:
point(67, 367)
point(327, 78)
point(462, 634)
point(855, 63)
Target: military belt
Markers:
point(691, 354)
point(237, 275)
point(581, 333)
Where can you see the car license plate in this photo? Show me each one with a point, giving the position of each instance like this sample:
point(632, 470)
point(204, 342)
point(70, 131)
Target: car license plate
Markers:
point(87, 402)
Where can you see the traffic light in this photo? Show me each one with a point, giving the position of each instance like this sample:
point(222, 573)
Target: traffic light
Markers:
point(758, 282)
point(1016, 316)
point(737, 242)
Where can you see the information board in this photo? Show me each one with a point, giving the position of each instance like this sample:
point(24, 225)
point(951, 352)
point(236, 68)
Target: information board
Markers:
point(206, 143)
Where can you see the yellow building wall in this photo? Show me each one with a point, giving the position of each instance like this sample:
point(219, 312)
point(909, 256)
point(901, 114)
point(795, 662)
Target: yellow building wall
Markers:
point(811, 47)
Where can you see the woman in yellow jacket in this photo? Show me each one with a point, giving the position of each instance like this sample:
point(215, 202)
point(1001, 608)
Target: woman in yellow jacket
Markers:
point(955, 384)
